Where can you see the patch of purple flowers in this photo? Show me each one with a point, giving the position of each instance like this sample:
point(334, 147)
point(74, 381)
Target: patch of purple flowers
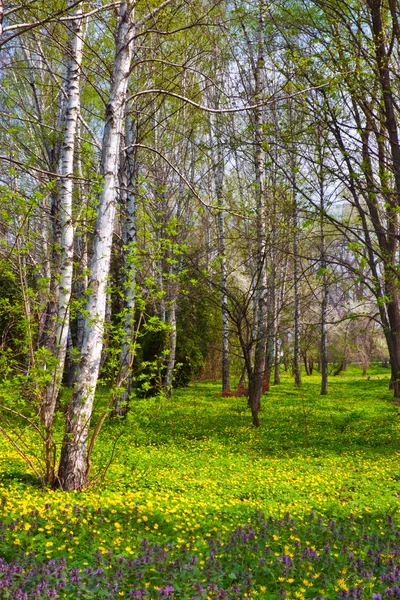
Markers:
point(255, 557)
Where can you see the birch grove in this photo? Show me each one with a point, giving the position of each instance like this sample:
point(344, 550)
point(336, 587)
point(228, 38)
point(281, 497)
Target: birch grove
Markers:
point(191, 190)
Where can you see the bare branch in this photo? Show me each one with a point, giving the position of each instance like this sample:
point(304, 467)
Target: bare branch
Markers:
point(270, 100)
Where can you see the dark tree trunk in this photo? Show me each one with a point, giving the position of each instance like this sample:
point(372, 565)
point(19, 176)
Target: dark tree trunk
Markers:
point(305, 361)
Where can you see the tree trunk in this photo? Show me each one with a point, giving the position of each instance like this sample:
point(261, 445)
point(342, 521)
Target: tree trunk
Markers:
point(66, 220)
point(310, 365)
point(393, 311)
point(305, 361)
point(74, 462)
point(256, 377)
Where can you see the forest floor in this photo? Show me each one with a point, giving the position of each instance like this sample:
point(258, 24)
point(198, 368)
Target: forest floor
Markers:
point(198, 504)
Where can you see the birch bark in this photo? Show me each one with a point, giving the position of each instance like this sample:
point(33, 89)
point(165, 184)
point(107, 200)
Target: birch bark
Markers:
point(257, 375)
point(66, 218)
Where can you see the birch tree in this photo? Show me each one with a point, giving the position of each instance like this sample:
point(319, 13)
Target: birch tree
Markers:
point(66, 217)
point(256, 372)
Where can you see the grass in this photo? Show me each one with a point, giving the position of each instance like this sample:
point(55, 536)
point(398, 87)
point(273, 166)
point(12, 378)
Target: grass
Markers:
point(313, 491)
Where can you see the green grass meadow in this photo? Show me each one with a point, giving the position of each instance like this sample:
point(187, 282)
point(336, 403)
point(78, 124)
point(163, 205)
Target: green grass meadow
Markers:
point(191, 468)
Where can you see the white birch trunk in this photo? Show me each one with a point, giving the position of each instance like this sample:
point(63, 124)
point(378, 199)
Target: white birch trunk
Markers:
point(257, 376)
point(73, 469)
point(66, 218)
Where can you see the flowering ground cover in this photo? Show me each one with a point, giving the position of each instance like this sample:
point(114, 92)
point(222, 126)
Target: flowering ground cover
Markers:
point(198, 504)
